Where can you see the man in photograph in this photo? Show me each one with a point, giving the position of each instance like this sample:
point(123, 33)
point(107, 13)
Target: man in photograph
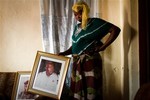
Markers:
point(48, 79)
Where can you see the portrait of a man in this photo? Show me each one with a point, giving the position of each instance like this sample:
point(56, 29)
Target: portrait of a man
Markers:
point(48, 76)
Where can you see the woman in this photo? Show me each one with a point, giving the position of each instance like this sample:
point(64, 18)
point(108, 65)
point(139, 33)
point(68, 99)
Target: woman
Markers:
point(86, 78)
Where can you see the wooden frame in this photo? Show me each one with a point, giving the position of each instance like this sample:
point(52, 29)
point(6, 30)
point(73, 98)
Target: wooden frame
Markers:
point(40, 78)
point(21, 85)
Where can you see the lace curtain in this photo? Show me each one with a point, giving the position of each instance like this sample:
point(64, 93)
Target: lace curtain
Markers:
point(58, 22)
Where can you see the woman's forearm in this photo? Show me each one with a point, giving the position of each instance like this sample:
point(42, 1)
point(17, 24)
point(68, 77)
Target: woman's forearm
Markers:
point(67, 52)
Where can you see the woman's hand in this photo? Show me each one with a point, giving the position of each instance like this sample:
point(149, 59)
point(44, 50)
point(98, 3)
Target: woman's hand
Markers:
point(61, 54)
point(67, 52)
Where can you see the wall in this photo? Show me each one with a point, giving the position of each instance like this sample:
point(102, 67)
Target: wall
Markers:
point(112, 56)
point(134, 50)
point(121, 59)
point(20, 34)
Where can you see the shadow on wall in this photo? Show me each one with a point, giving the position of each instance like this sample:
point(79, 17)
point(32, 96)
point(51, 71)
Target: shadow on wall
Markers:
point(128, 35)
point(111, 91)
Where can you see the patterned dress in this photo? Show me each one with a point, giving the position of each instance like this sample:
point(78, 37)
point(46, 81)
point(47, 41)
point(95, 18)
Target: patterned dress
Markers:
point(86, 78)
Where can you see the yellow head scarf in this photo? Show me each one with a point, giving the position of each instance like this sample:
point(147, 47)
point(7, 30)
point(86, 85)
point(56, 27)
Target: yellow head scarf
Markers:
point(81, 5)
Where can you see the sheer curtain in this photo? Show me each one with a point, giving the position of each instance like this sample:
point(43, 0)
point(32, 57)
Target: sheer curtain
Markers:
point(58, 23)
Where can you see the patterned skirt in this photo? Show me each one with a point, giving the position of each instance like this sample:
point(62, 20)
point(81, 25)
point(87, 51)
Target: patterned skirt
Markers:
point(86, 78)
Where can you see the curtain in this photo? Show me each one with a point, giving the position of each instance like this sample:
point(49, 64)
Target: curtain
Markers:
point(58, 22)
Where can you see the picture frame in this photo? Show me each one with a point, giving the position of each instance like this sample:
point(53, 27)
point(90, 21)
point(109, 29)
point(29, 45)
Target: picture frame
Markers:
point(20, 88)
point(49, 85)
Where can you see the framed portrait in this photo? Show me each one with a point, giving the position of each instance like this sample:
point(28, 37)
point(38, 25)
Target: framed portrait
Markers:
point(48, 74)
point(20, 87)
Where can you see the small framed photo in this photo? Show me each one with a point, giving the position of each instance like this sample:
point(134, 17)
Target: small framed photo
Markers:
point(48, 74)
point(20, 88)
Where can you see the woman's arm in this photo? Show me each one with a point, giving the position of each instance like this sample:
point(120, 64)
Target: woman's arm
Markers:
point(67, 52)
point(114, 32)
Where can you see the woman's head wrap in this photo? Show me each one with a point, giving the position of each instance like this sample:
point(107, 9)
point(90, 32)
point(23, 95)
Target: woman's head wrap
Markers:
point(82, 6)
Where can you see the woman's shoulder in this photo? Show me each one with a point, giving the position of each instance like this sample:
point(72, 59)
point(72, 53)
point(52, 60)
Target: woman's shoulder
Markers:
point(97, 19)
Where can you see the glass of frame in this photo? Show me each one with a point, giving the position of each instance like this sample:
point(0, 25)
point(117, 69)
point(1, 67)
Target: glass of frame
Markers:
point(48, 74)
point(21, 86)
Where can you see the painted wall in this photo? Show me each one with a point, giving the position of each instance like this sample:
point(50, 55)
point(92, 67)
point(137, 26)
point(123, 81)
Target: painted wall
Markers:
point(112, 56)
point(20, 34)
point(132, 45)
point(121, 59)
